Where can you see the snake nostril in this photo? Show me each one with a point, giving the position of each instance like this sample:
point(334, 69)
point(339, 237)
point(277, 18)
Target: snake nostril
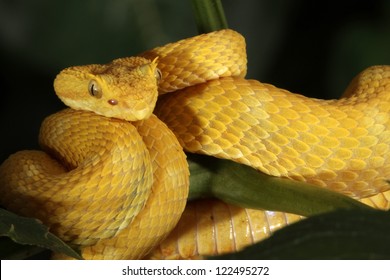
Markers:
point(112, 102)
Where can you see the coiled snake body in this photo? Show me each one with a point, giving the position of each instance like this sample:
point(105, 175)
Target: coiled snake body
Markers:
point(123, 183)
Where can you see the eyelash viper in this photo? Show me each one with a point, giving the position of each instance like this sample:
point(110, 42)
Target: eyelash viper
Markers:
point(124, 186)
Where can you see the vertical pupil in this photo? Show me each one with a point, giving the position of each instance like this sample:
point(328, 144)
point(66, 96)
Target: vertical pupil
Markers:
point(93, 90)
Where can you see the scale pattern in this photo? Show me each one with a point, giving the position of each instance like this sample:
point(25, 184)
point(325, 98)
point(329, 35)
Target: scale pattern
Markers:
point(338, 144)
point(58, 187)
point(199, 59)
point(212, 227)
point(115, 213)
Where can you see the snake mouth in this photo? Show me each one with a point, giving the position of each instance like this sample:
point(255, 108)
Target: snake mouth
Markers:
point(126, 111)
point(142, 114)
point(121, 110)
point(139, 111)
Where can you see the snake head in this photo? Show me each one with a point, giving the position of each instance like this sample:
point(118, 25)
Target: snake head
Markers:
point(126, 88)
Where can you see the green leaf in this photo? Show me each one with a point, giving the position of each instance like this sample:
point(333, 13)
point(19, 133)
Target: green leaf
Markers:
point(14, 251)
point(29, 231)
point(244, 186)
point(343, 234)
point(209, 15)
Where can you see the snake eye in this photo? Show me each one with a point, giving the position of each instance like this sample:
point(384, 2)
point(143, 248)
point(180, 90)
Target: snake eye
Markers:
point(158, 75)
point(94, 89)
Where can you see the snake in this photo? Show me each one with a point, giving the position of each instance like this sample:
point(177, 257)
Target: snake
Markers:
point(113, 178)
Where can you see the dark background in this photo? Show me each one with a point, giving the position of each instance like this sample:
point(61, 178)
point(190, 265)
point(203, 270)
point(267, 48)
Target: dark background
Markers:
point(311, 47)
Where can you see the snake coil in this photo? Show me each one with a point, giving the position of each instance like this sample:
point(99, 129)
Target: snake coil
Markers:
point(114, 180)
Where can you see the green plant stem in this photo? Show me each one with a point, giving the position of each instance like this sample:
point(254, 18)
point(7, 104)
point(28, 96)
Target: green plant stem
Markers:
point(209, 15)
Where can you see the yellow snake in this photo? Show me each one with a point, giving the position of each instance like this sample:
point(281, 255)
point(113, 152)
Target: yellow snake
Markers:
point(114, 179)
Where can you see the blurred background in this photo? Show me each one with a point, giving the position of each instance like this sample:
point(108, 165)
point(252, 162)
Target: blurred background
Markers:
point(310, 47)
